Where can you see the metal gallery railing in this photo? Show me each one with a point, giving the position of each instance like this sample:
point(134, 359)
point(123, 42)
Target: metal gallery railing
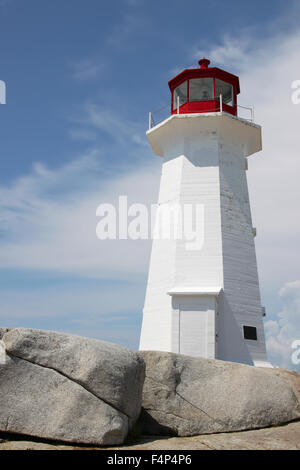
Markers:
point(154, 118)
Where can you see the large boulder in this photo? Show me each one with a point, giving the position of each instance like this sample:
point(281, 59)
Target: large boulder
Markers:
point(66, 387)
point(289, 376)
point(39, 402)
point(186, 396)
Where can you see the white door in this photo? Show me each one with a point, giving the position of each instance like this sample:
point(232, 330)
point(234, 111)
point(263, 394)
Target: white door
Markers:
point(193, 332)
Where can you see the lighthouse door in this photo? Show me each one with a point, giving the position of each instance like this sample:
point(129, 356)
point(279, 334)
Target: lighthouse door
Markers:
point(196, 335)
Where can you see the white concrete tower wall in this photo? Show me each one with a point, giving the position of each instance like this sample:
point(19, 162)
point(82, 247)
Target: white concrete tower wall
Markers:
point(197, 301)
point(240, 303)
point(157, 314)
point(192, 179)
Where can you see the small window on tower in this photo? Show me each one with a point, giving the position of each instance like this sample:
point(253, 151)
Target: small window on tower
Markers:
point(201, 89)
point(181, 93)
point(250, 332)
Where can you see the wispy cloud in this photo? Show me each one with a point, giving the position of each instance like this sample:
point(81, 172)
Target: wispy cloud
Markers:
point(96, 123)
point(120, 129)
point(230, 50)
point(49, 219)
point(122, 33)
point(282, 332)
point(125, 29)
point(82, 134)
point(48, 226)
point(88, 68)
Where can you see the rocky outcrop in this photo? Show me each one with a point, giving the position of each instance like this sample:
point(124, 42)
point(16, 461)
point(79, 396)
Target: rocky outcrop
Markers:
point(68, 388)
point(65, 387)
point(3, 331)
point(285, 437)
point(289, 376)
point(187, 396)
point(39, 402)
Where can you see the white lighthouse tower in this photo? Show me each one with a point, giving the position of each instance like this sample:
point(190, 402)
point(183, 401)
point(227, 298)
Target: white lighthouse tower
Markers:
point(206, 302)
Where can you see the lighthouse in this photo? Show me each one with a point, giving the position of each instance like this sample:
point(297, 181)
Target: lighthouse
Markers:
point(205, 302)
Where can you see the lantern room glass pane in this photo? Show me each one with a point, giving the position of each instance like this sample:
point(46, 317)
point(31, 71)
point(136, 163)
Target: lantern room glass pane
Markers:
point(201, 89)
point(181, 92)
point(226, 90)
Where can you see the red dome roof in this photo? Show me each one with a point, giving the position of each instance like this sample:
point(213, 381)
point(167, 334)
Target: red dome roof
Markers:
point(205, 71)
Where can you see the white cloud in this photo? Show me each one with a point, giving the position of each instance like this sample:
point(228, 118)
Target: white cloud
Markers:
point(282, 332)
point(121, 131)
point(49, 219)
point(125, 28)
point(48, 223)
point(89, 68)
point(231, 50)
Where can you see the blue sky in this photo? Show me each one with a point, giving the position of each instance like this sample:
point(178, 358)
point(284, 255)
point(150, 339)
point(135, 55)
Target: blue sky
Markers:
point(81, 76)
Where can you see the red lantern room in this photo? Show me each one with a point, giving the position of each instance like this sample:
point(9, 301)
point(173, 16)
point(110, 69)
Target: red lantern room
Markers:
point(204, 90)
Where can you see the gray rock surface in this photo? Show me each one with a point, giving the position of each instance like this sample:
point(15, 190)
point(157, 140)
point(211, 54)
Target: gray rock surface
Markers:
point(3, 331)
point(65, 387)
point(112, 373)
point(187, 396)
point(289, 376)
point(286, 437)
point(37, 401)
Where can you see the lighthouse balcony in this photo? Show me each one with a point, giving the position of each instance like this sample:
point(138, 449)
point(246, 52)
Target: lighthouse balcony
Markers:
point(212, 106)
